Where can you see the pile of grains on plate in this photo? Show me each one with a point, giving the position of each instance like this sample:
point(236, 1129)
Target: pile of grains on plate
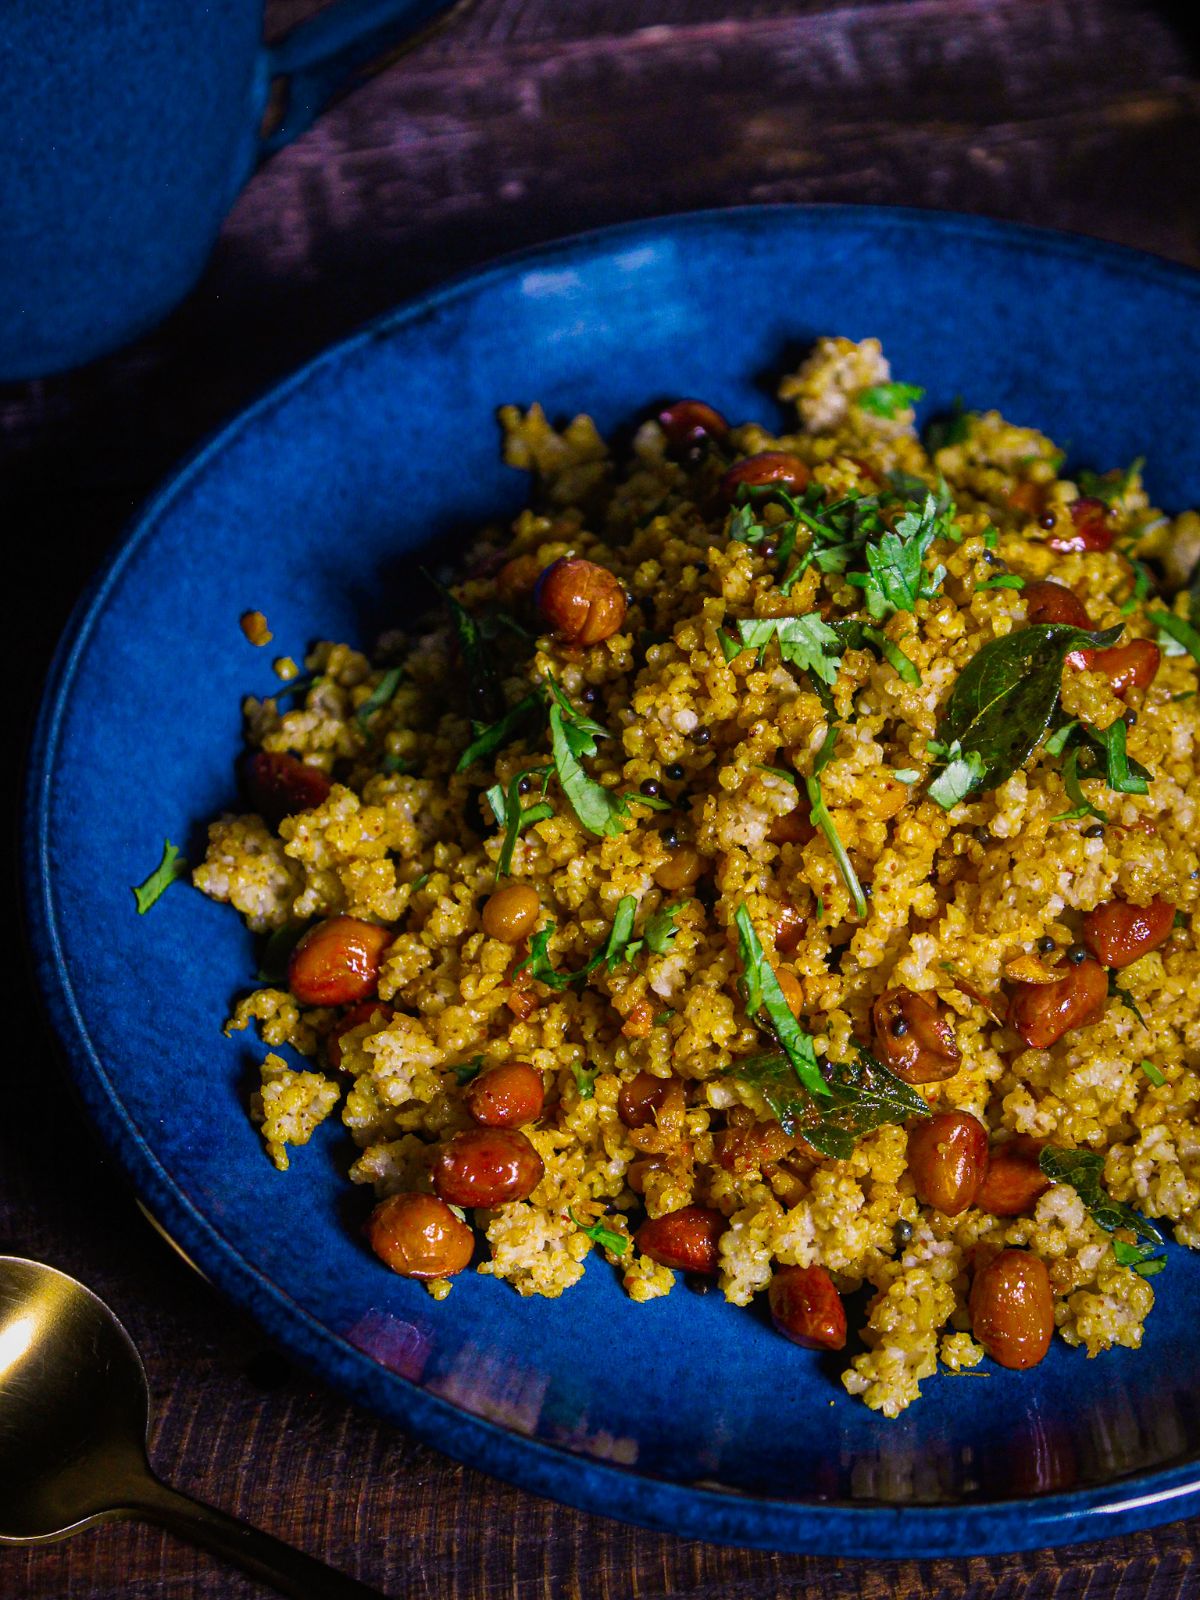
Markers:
point(773, 859)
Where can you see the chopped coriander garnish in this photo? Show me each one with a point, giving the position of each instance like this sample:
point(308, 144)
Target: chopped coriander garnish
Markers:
point(379, 696)
point(886, 399)
point(906, 774)
point(618, 1243)
point(618, 947)
point(585, 1079)
point(1155, 1074)
point(729, 647)
point(991, 538)
point(513, 817)
point(1140, 1257)
point(1002, 580)
point(499, 733)
point(1109, 486)
point(419, 883)
point(1082, 806)
point(806, 642)
point(857, 635)
point(822, 820)
point(761, 991)
point(572, 735)
point(896, 578)
point(962, 773)
point(1177, 631)
point(466, 1070)
point(661, 930)
point(664, 1017)
point(170, 868)
point(1117, 992)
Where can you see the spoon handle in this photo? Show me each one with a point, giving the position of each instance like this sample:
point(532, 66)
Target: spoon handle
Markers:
point(290, 1571)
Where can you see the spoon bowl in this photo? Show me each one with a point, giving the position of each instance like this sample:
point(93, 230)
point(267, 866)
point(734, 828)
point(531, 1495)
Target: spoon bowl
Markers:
point(74, 1414)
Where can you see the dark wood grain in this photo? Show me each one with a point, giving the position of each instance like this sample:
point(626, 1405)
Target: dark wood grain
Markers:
point(526, 119)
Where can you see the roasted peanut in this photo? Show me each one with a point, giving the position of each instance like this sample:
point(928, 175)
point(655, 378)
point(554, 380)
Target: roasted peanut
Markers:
point(337, 962)
point(913, 1038)
point(947, 1159)
point(510, 913)
point(687, 423)
point(1042, 1012)
point(769, 467)
point(1091, 527)
point(807, 1309)
point(583, 602)
point(1126, 666)
point(486, 1167)
point(1119, 933)
point(1047, 601)
point(686, 1239)
point(418, 1236)
point(508, 1096)
point(1012, 1309)
point(1013, 1181)
point(280, 785)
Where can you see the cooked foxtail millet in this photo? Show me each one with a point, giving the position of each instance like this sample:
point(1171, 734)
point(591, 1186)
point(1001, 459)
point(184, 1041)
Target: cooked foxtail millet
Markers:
point(764, 842)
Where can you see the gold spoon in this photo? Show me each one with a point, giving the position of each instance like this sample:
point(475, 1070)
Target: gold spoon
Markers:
point(74, 1410)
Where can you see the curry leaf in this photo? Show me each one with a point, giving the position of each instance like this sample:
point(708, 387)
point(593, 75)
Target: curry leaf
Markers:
point(379, 696)
point(1084, 1171)
point(1005, 697)
point(858, 1097)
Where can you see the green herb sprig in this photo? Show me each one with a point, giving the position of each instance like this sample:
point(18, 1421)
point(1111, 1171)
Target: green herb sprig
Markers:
point(169, 870)
point(1084, 1171)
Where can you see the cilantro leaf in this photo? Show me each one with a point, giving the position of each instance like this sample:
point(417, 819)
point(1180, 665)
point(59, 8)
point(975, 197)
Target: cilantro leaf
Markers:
point(858, 1097)
point(1002, 580)
point(1177, 629)
point(466, 1070)
point(1155, 1074)
point(499, 733)
point(483, 686)
point(729, 647)
point(854, 634)
point(819, 814)
point(962, 774)
point(170, 868)
point(379, 696)
point(1084, 1171)
point(614, 951)
point(1082, 806)
point(1140, 1257)
point(513, 817)
point(616, 948)
point(885, 399)
point(806, 642)
point(761, 990)
point(599, 810)
point(1117, 992)
point(1109, 486)
point(618, 1243)
point(585, 1079)
point(661, 930)
point(895, 578)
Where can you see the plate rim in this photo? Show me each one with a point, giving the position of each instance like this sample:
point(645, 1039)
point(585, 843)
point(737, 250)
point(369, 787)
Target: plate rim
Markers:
point(726, 1516)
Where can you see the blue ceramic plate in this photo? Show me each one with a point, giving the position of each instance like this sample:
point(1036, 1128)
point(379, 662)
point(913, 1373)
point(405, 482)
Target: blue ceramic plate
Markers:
point(686, 1414)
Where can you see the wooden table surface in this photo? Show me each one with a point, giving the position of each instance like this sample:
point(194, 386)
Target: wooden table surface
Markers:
point(527, 119)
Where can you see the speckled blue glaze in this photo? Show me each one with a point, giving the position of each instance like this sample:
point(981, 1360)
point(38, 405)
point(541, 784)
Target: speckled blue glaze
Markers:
point(686, 1414)
point(130, 126)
